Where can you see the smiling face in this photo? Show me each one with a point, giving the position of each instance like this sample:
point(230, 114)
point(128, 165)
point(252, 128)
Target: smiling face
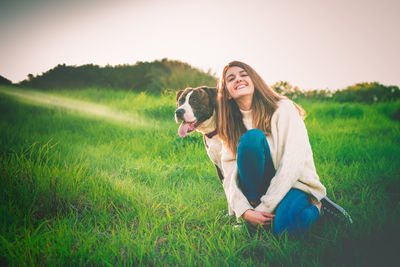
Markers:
point(240, 87)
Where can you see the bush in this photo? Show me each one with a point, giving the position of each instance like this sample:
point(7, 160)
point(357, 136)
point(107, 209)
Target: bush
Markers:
point(367, 93)
point(294, 92)
point(286, 89)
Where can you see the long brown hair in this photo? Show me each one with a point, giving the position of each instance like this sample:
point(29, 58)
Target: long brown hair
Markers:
point(264, 103)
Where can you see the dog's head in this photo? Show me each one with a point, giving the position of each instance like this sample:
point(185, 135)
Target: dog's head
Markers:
point(194, 106)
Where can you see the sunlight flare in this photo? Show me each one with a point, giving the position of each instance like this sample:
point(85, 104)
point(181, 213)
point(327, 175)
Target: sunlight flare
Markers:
point(80, 106)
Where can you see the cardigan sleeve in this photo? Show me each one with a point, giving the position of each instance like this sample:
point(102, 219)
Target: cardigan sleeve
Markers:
point(237, 201)
point(290, 134)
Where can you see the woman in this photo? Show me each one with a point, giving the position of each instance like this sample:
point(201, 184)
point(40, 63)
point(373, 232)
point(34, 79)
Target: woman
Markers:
point(269, 172)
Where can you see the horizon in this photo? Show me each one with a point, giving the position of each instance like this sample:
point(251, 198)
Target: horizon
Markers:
point(213, 74)
point(312, 45)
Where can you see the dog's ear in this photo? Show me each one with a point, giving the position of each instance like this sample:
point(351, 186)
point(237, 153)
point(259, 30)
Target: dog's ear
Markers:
point(178, 94)
point(212, 94)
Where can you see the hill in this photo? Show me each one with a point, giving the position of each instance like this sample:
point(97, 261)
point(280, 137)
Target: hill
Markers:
point(153, 76)
point(4, 81)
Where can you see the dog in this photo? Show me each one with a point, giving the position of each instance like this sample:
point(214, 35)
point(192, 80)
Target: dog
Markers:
point(197, 111)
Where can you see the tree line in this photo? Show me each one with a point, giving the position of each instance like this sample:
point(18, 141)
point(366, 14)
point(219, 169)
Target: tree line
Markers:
point(367, 92)
point(161, 75)
point(154, 77)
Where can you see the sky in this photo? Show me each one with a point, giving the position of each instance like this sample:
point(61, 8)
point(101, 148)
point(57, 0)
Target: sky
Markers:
point(314, 44)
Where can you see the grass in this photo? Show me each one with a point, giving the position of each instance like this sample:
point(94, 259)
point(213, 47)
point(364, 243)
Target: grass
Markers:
point(119, 187)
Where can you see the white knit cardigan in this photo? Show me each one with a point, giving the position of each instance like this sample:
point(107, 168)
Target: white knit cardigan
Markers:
point(291, 156)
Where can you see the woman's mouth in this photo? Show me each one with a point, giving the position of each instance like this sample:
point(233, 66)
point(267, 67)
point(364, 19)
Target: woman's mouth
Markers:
point(241, 87)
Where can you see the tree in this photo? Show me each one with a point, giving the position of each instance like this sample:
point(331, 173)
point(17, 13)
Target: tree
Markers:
point(285, 88)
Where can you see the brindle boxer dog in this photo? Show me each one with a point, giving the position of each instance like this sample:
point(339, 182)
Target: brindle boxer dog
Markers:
point(196, 110)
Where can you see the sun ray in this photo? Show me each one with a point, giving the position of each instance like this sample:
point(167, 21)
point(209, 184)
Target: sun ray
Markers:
point(82, 107)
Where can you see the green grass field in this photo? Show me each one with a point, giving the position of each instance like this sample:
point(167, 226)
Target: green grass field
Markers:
point(98, 177)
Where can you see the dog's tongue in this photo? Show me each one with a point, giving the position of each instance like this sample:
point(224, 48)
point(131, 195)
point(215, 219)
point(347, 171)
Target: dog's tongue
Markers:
point(184, 129)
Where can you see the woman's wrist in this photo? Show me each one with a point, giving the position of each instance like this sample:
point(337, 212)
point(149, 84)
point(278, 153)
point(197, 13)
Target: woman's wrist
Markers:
point(246, 213)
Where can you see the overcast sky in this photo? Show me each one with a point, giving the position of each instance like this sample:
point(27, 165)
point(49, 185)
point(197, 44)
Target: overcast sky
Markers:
point(310, 43)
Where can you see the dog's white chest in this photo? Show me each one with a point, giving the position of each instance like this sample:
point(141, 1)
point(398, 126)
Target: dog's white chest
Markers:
point(214, 149)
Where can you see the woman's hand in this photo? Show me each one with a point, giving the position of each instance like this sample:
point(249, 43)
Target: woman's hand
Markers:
point(258, 217)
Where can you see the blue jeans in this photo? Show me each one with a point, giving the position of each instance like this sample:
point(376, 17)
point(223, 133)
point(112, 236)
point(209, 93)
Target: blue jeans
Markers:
point(294, 213)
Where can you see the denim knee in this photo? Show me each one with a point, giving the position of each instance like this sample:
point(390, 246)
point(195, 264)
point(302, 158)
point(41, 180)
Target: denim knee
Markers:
point(306, 218)
point(308, 215)
point(252, 140)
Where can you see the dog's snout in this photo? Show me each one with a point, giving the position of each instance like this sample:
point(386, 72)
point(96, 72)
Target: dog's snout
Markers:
point(179, 113)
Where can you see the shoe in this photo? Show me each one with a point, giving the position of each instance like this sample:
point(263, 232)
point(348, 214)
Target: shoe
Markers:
point(331, 209)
